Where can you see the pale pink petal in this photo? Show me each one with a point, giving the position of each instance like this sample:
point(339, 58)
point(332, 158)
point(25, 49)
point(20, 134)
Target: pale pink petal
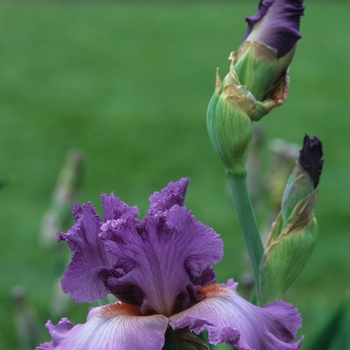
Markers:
point(112, 327)
point(229, 318)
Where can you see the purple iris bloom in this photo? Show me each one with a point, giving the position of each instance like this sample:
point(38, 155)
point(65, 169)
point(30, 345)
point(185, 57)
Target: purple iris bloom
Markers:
point(159, 269)
point(276, 24)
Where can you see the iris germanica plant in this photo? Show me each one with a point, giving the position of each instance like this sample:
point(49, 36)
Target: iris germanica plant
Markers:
point(159, 269)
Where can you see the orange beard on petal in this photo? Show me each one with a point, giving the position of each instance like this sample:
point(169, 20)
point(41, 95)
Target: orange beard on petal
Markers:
point(120, 308)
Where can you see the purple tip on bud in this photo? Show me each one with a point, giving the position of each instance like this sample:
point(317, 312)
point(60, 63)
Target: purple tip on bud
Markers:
point(277, 24)
point(310, 158)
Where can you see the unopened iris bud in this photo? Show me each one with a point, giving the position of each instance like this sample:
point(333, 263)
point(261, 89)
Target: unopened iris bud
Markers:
point(257, 81)
point(229, 125)
point(267, 49)
point(293, 235)
point(303, 182)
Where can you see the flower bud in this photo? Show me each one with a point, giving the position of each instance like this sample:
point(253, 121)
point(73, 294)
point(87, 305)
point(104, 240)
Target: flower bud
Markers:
point(293, 234)
point(257, 81)
point(268, 46)
point(229, 125)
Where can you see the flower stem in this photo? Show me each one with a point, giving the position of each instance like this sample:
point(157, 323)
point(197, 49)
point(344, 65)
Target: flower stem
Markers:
point(103, 301)
point(246, 216)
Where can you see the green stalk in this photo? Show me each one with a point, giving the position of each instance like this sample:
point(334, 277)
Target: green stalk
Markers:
point(246, 216)
point(103, 301)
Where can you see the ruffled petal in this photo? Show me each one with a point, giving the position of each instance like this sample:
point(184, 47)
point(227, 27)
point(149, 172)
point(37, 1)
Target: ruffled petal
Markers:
point(173, 194)
point(91, 265)
point(229, 318)
point(276, 24)
point(112, 327)
point(231, 284)
point(161, 258)
point(114, 208)
point(58, 333)
point(207, 277)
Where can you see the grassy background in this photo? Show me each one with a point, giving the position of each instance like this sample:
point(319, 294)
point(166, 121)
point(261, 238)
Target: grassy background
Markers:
point(129, 84)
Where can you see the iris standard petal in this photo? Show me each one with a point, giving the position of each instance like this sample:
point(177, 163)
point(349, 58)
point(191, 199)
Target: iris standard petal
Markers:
point(276, 24)
point(114, 208)
point(173, 194)
point(91, 264)
point(230, 318)
point(161, 257)
point(112, 327)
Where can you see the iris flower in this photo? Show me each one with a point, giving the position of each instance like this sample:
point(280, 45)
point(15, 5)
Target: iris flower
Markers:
point(159, 270)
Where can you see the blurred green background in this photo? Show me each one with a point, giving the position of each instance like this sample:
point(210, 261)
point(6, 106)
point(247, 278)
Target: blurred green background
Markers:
point(128, 83)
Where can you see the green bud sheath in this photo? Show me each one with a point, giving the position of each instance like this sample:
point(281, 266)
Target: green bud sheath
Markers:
point(277, 95)
point(257, 67)
point(284, 259)
point(299, 186)
point(229, 125)
point(294, 233)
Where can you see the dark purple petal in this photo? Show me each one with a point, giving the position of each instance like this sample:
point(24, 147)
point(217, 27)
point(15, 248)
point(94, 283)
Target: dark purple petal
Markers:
point(276, 24)
point(114, 208)
point(111, 327)
point(160, 258)
point(310, 158)
point(229, 318)
point(91, 265)
point(207, 277)
point(86, 276)
point(173, 194)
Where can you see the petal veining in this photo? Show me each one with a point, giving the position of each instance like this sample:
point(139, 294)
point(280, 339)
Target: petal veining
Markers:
point(162, 257)
point(111, 327)
point(230, 318)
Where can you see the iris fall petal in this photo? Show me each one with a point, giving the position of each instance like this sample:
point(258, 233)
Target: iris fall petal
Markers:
point(229, 318)
point(111, 327)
